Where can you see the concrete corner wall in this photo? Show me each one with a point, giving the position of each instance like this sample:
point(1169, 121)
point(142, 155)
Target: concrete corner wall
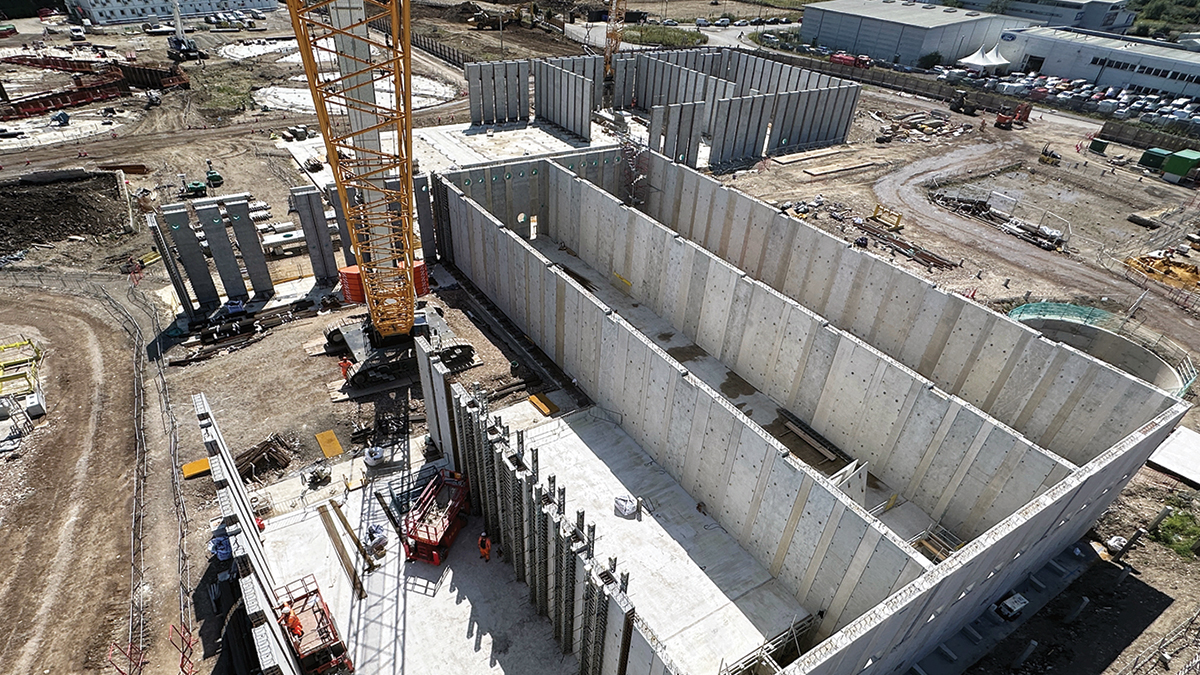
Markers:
point(951, 459)
point(1055, 396)
point(563, 98)
point(826, 548)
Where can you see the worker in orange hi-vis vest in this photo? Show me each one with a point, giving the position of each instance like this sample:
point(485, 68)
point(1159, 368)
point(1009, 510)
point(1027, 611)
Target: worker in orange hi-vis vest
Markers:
point(346, 365)
point(291, 621)
point(485, 547)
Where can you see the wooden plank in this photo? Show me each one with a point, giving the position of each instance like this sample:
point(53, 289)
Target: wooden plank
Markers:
point(329, 444)
point(342, 554)
point(354, 537)
point(196, 468)
point(816, 445)
point(828, 170)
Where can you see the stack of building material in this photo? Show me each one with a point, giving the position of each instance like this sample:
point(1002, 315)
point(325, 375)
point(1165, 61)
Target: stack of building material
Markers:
point(273, 451)
point(352, 284)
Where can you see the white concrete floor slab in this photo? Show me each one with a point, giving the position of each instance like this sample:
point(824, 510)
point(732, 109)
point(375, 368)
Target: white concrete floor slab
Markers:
point(704, 596)
point(465, 616)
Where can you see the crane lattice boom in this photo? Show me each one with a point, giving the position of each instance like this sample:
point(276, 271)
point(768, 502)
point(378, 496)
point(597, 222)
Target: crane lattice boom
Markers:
point(613, 34)
point(357, 58)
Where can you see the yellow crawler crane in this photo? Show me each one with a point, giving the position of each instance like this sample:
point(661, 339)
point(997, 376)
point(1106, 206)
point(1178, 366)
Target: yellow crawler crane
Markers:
point(357, 58)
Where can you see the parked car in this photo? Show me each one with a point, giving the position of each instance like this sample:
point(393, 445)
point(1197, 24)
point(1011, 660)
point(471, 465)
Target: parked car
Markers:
point(670, 22)
point(702, 23)
point(741, 22)
point(773, 21)
point(756, 21)
point(722, 23)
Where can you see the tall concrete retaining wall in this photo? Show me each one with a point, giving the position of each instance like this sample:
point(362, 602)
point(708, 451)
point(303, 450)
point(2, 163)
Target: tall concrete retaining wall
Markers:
point(894, 635)
point(1110, 348)
point(1007, 370)
point(959, 465)
point(590, 68)
point(563, 98)
point(498, 91)
point(681, 125)
point(549, 551)
point(812, 118)
point(824, 547)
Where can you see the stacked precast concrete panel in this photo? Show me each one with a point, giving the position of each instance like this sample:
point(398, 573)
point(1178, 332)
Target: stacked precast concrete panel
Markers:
point(563, 98)
point(498, 91)
point(826, 548)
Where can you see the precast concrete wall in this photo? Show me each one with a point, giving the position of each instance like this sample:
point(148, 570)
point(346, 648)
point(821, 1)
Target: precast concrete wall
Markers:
point(675, 131)
point(563, 98)
point(961, 467)
point(250, 247)
point(209, 215)
point(1058, 398)
point(498, 91)
point(1110, 348)
point(590, 68)
point(740, 128)
point(664, 83)
point(624, 81)
point(824, 547)
point(897, 633)
point(550, 551)
point(812, 118)
point(191, 256)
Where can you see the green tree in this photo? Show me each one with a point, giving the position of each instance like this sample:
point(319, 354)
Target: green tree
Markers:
point(930, 60)
point(1155, 10)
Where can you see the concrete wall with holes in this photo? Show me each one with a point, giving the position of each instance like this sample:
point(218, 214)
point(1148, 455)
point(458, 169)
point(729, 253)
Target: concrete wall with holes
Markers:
point(963, 468)
point(1058, 398)
point(824, 547)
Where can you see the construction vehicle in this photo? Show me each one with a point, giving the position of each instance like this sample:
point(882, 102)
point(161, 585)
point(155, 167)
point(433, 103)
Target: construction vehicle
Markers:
point(1049, 156)
point(315, 639)
point(193, 189)
point(369, 151)
point(180, 47)
point(860, 61)
point(212, 177)
point(484, 19)
point(431, 526)
point(960, 104)
point(1008, 116)
point(61, 118)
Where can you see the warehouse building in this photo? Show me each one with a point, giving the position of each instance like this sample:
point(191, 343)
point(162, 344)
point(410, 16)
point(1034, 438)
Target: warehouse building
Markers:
point(1110, 16)
point(101, 12)
point(1143, 66)
point(903, 32)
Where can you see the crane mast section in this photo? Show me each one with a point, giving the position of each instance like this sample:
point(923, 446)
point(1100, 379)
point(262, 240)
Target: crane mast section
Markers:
point(357, 58)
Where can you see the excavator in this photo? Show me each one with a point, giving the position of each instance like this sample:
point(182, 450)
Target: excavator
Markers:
point(368, 143)
point(959, 104)
point(1008, 116)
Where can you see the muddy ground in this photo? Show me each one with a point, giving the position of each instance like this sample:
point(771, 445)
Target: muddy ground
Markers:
point(93, 207)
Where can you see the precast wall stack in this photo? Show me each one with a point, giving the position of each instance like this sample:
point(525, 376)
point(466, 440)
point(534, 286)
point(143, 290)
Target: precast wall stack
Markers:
point(498, 90)
point(550, 551)
point(311, 210)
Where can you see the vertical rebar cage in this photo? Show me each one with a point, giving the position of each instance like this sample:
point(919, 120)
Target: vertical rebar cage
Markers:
point(357, 58)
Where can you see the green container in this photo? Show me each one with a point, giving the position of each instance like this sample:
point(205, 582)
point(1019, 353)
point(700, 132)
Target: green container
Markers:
point(1154, 158)
point(1098, 146)
point(1180, 163)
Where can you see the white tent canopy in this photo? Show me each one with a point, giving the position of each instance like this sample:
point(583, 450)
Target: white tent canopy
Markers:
point(995, 57)
point(977, 60)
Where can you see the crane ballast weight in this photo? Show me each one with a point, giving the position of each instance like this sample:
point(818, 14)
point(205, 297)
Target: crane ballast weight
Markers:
point(364, 109)
point(358, 60)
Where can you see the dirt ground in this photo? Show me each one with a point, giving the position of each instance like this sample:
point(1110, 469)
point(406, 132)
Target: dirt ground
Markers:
point(68, 599)
point(1122, 619)
point(93, 206)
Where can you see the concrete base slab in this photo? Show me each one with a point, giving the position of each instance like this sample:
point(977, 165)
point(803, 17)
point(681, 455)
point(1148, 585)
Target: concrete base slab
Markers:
point(703, 595)
point(465, 616)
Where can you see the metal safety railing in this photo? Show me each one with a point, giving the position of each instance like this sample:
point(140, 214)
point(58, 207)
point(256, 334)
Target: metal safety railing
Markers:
point(124, 302)
point(1174, 355)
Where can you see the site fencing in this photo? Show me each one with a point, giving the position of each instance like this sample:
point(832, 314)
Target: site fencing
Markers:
point(1174, 355)
point(125, 302)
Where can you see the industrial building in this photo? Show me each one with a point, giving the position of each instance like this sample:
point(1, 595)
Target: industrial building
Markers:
point(101, 12)
point(1143, 66)
point(1110, 16)
point(903, 32)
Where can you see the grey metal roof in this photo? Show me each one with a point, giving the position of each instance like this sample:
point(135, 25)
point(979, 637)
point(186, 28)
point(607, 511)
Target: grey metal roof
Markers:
point(908, 13)
point(1127, 46)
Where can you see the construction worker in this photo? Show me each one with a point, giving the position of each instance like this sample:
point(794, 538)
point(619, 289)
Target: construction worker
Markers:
point(346, 365)
point(291, 621)
point(485, 547)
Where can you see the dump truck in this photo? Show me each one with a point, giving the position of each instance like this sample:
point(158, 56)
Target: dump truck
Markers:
point(860, 61)
point(308, 626)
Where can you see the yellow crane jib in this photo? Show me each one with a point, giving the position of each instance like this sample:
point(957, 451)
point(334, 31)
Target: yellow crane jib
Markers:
point(357, 58)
